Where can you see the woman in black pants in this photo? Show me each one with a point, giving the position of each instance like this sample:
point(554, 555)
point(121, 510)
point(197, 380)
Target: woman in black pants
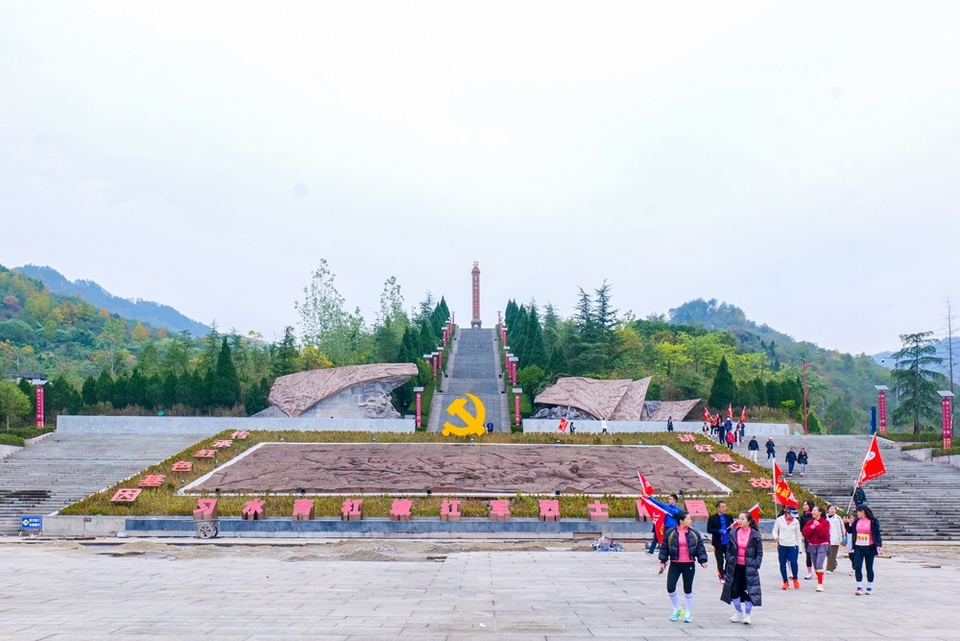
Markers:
point(804, 519)
point(684, 547)
point(867, 543)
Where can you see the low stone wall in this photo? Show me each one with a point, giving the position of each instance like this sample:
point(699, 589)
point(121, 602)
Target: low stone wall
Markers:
point(79, 526)
point(595, 427)
point(480, 528)
point(922, 454)
point(209, 426)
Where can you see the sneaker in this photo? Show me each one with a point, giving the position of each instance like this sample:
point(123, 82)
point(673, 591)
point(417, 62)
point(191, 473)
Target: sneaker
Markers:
point(859, 592)
point(869, 591)
point(820, 588)
point(649, 553)
point(737, 617)
point(688, 617)
point(786, 586)
point(676, 614)
point(808, 577)
point(796, 583)
point(746, 620)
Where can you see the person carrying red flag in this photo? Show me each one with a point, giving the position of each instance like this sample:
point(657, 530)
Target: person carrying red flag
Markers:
point(664, 517)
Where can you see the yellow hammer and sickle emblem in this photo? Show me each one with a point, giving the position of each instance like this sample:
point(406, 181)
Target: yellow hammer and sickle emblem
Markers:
point(474, 424)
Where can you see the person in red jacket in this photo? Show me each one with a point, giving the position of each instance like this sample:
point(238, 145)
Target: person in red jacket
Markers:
point(817, 535)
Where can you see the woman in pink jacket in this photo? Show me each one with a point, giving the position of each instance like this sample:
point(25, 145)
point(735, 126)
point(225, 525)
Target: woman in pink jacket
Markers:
point(817, 535)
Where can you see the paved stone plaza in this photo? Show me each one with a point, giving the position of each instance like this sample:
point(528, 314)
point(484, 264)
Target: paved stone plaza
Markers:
point(433, 590)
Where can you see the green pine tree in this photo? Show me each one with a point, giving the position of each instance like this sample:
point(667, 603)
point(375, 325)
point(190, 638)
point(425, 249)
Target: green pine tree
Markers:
point(534, 353)
point(558, 362)
point(225, 384)
point(724, 389)
point(256, 398)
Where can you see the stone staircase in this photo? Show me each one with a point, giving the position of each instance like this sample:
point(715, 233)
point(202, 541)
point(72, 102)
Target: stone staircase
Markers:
point(474, 367)
point(63, 468)
point(913, 500)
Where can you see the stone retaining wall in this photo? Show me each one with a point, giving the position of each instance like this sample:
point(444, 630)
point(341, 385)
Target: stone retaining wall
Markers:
point(595, 427)
point(208, 426)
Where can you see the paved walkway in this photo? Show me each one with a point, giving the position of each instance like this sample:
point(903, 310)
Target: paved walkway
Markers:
point(159, 591)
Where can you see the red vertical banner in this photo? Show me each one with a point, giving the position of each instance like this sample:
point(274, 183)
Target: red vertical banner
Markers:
point(946, 416)
point(439, 360)
point(419, 408)
point(435, 367)
point(40, 417)
point(882, 406)
point(516, 407)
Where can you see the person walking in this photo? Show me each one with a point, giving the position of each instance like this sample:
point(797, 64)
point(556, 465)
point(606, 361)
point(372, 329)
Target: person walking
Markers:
point(669, 423)
point(817, 535)
point(754, 448)
point(867, 543)
point(672, 510)
point(791, 459)
point(741, 586)
point(786, 533)
point(802, 461)
point(741, 431)
point(805, 517)
point(848, 541)
point(683, 547)
point(771, 449)
point(731, 439)
point(718, 527)
point(837, 535)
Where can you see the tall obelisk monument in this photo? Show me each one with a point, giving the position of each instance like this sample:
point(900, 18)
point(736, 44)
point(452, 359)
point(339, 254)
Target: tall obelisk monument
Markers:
point(475, 272)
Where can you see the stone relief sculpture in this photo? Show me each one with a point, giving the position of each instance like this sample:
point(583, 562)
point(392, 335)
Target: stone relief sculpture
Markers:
point(612, 400)
point(356, 391)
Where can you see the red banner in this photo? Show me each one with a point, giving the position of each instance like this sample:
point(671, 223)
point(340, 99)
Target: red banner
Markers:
point(645, 484)
point(946, 417)
point(40, 417)
point(516, 408)
point(882, 406)
point(782, 493)
point(419, 408)
point(658, 515)
point(872, 464)
point(755, 512)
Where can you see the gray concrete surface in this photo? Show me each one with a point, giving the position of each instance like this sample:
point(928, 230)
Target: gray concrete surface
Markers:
point(70, 592)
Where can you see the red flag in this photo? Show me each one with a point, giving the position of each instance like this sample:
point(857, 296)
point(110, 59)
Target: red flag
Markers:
point(645, 484)
point(658, 515)
point(872, 464)
point(781, 489)
point(730, 411)
point(743, 414)
point(755, 512)
point(706, 414)
point(563, 424)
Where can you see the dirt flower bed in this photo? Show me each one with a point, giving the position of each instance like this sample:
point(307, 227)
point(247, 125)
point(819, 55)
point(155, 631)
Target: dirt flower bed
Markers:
point(164, 500)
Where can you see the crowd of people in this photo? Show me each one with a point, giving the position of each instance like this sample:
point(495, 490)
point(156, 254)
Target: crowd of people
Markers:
point(738, 552)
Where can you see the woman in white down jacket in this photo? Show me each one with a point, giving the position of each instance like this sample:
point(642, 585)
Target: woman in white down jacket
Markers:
point(837, 535)
point(786, 532)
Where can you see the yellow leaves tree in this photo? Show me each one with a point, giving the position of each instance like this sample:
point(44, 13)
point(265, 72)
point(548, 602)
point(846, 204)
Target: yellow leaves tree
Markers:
point(313, 359)
point(140, 333)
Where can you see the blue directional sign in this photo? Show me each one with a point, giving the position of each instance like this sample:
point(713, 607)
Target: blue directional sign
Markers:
point(31, 522)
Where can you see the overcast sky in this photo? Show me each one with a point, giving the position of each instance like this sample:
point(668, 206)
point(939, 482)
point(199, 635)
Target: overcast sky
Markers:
point(799, 160)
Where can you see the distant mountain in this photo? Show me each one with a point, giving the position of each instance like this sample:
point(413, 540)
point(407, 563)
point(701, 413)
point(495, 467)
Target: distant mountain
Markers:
point(155, 314)
point(851, 377)
point(884, 359)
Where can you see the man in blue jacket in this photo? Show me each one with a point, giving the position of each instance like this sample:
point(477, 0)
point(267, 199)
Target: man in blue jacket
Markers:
point(672, 510)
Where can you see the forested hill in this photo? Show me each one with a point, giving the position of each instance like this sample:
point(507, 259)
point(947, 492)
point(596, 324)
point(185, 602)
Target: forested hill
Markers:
point(850, 377)
point(154, 314)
